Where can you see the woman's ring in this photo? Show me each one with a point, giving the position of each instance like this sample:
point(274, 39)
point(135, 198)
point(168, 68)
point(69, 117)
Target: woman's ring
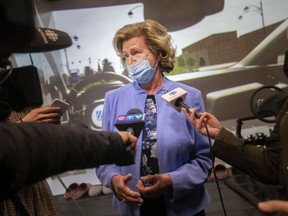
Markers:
point(123, 200)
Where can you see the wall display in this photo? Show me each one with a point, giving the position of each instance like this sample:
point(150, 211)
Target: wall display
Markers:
point(228, 51)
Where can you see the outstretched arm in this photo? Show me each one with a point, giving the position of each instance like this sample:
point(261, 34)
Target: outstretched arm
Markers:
point(30, 152)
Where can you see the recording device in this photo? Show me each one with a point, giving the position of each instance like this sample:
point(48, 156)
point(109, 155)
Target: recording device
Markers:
point(176, 98)
point(45, 39)
point(42, 40)
point(59, 103)
point(133, 122)
point(20, 34)
point(20, 88)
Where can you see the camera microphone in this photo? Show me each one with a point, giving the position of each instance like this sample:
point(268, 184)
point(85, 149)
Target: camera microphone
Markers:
point(179, 103)
point(133, 122)
point(42, 40)
point(176, 98)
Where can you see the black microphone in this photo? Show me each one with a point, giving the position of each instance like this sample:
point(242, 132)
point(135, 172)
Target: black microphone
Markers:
point(180, 103)
point(43, 40)
point(133, 122)
point(176, 98)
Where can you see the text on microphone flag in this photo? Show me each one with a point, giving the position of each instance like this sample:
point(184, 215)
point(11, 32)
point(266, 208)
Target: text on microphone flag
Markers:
point(130, 117)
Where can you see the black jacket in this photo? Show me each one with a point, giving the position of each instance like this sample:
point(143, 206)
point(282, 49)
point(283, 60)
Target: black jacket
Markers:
point(30, 152)
point(268, 165)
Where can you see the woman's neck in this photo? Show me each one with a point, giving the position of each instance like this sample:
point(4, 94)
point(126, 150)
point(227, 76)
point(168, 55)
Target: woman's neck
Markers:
point(155, 85)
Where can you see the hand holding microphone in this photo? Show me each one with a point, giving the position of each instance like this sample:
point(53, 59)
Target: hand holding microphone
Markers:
point(212, 123)
point(133, 123)
point(129, 140)
point(176, 98)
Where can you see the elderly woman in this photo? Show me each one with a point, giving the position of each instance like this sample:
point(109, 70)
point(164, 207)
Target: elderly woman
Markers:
point(172, 161)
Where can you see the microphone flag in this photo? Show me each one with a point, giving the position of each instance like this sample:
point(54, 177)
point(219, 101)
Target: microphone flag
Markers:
point(131, 122)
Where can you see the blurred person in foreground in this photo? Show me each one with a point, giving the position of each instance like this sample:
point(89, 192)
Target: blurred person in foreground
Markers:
point(31, 152)
point(267, 164)
point(172, 161)
point(37, 198)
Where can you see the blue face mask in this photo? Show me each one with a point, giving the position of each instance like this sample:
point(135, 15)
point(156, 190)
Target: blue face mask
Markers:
point(141, 71)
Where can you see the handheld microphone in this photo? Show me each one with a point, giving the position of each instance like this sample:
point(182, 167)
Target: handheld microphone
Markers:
point(43, 40)
point(133, 122)
point(176, 98)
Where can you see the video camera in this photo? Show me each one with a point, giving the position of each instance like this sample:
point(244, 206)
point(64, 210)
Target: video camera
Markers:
point(20, 87)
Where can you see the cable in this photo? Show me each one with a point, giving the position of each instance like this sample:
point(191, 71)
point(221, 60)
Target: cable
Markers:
point(214, 172)
point(179, 103)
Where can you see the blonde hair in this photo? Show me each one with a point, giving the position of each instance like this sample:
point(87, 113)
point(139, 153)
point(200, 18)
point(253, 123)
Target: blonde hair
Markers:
point(156, 39)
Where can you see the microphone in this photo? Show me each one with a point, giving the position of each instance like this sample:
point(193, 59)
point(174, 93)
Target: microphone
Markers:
point(43, 40)
point(133, 122)
point(176, 98)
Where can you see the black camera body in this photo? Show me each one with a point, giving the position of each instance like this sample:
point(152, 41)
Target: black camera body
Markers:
point(20, 89)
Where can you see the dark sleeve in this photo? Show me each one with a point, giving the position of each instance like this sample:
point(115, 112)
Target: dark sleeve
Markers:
point(30, 152)
point(284, 152)
point(260, 163)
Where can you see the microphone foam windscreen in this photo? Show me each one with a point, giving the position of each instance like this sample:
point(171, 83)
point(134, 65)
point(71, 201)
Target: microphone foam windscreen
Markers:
point(134, 111)
point(172, 96)
point(46, 39)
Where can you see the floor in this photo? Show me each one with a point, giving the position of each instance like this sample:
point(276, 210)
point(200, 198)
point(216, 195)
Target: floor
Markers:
point(240, 198)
